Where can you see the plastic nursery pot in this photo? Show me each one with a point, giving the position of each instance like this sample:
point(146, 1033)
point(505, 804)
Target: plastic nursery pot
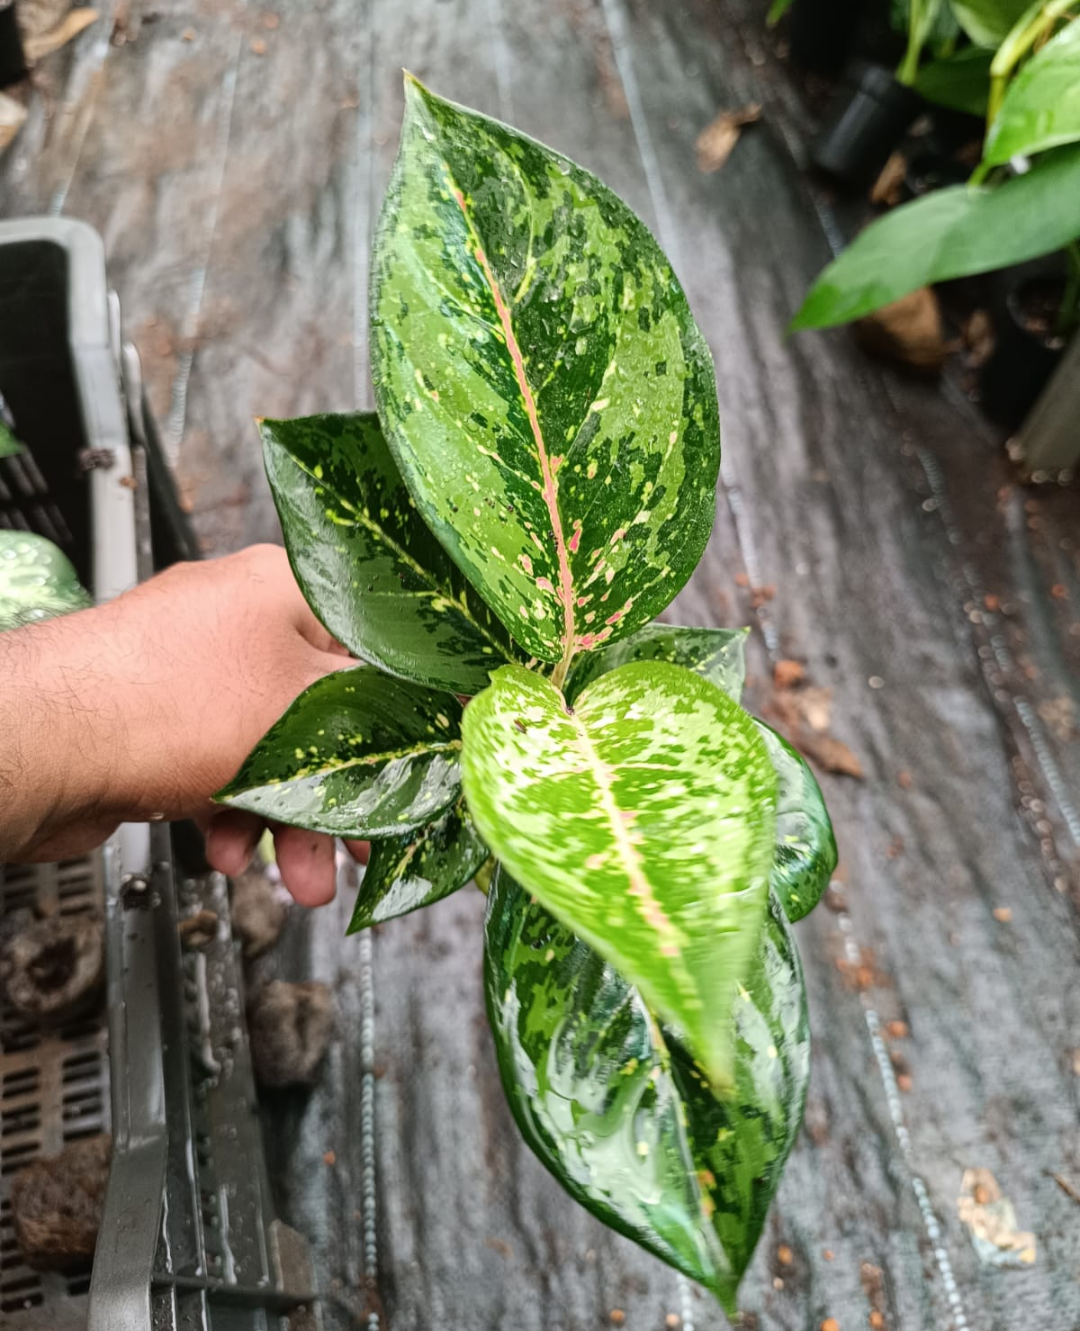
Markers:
point(12, 60)
point(866, 119)
point(1027, 350)
point(822, 33)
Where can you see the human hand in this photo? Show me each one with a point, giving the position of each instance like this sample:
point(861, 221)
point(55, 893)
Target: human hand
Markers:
point(142, 708)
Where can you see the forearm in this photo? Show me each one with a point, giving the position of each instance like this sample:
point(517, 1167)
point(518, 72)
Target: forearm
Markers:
point(62, 735)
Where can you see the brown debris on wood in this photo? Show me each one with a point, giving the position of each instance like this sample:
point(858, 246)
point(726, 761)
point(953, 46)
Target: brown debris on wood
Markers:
point(907, 331)
point(56, 1205)
point(715, 142)
point(886, 189)
point(40, 44)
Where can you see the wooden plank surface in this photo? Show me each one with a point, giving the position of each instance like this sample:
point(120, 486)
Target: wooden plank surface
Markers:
point(234, 157)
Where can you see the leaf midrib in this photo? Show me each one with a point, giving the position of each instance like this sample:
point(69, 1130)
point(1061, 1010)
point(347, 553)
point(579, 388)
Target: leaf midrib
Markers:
point(369, 758)
point(550, 490)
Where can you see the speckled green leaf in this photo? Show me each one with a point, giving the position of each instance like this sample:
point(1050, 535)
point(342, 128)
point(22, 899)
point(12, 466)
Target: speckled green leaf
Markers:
point(367, 563)
point(37, 581)
point(541, 380)
point(1041, 108)
point(643, 818)
point(805, 855)
point(719, 655)
point(358, 754)
point(408, 872)
point(616, 1108)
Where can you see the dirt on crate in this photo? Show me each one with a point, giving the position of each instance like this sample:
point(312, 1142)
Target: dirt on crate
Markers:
point(53, 969)
point(258, 913)
point(289, 1026)
point(56, 1205)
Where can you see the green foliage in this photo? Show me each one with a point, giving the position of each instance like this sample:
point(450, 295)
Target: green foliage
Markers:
point(719, 655)
point(544, 388)
point(951, 233)
point(1041, 107)
point(37, 581)
point(366, 562)
point(988, 22)
point(616, 1107)
point(358, 754)
point(960, 81)
point(405, 873)
point(538, 485)
point(9, 445)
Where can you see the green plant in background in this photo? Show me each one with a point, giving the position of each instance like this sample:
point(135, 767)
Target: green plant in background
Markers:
point(9, 445)
point(1004, 215)
point(538, 484)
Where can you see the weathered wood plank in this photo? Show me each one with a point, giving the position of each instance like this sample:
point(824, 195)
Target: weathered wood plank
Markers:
point(236, 191)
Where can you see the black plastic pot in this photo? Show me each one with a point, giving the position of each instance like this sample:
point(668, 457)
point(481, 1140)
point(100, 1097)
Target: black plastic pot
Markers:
point(1024, 357)
point(822, 33)
point(12, 59)
point(865, 121)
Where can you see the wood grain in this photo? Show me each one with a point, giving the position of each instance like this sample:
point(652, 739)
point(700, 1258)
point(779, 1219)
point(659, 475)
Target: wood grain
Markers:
point(236, 192)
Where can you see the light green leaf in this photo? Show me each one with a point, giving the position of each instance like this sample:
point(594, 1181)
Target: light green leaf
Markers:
point(960, 81)
point(777, 10)
point(951, 233)
point(358, 754)
point(542, 384)
point(616, 1108)
point(718, 655)
point(37, 581)
point(1041, 107)
point(644, 819)
point(367, 564)
point(805, 854)
point(408, 872)
point(988, 22)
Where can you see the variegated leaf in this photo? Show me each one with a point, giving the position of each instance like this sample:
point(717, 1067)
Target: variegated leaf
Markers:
point(643, 818)
point(541, 380)
point(408, 872)
point(367, 563)
point(805, 855)
point(358, 754)
point(37, 580)
point(719, 655)
point(616, 1108)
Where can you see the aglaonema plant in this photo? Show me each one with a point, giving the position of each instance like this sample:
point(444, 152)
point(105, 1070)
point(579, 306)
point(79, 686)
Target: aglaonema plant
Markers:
point(494, 545)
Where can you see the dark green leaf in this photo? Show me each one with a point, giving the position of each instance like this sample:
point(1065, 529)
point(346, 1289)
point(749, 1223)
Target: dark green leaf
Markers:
point(960, 81)
point(408, 872)
point(951, 233)
point(1041, 108)
point(547, 394)
point(37, 581)
point(369, 567)
point(644, 818)
point(988, 22)
point(616, 1108)
point(805, 855)
point(359, 754)
point(717, 654)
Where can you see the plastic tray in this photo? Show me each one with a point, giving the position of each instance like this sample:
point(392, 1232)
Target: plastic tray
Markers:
point(189, 1239)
